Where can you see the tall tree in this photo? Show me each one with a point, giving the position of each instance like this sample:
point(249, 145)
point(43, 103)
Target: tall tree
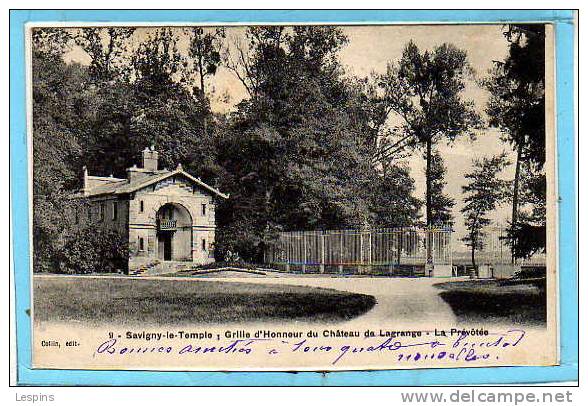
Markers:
point(517, 108)
point(205, 51)
point(482, 194)
point(425, 91)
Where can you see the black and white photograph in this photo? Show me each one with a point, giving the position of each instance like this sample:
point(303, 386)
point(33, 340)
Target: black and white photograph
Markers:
point(292, 197)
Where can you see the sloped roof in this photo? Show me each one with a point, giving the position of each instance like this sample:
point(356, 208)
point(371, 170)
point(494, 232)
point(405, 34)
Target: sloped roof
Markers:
point(125, 187)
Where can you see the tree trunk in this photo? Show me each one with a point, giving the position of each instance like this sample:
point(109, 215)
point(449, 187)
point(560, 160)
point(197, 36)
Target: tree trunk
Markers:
point(428, 199)
point(474, 256)
point(201, 74)
point(202, 94)
point(515, 199)
point(428, 180)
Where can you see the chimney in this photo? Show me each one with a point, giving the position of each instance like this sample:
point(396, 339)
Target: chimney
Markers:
point(134, 173)
point(150, 157)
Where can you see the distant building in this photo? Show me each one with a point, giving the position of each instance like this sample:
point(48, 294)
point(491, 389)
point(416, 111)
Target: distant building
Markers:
point(167, 216)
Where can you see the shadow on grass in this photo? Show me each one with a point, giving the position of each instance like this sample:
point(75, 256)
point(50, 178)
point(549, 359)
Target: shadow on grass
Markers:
point(97, 301)
point(475, 301)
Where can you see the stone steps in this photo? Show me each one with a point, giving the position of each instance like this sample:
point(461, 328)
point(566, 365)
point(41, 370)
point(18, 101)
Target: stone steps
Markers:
point(159, 268)
point(143, 269)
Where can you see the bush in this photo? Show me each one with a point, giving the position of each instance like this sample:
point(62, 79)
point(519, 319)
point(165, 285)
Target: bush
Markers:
point(531, 273)
point(88, 251)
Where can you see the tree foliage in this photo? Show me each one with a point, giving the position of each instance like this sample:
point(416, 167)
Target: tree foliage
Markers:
point(517, 87)
point(56, 147)
point(517, 108)
point(441, 203)
point(483, 192)
point(528, 236)
point(311, 147)
point(205, 51)
point(106, 48)
point(297, 154)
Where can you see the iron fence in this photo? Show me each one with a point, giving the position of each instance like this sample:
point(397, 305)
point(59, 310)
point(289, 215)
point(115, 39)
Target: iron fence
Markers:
point(398, 251)
point(495, 250)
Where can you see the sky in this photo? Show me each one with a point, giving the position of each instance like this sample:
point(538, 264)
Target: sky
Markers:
point(369, 49)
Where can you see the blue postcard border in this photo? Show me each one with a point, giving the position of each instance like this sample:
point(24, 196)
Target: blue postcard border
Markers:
point(566, 154)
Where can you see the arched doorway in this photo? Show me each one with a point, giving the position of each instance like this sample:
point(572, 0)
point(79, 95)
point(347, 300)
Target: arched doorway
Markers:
point(174, 233)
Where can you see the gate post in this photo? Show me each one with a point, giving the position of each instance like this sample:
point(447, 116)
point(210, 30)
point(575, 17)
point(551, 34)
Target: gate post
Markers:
point(303, 252)
point(322, 265)
point(360, 264)
point(288, 243)
point(450, 245)
point(341, 252)
point(370, 253)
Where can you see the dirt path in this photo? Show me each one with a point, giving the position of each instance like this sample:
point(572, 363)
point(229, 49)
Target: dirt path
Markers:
point(401, 302)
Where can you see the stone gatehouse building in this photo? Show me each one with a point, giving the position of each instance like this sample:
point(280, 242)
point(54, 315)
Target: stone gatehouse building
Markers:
point(168, 216)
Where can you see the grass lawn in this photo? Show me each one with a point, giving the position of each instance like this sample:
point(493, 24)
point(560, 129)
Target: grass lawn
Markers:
point(128, 301)
point(496, 301)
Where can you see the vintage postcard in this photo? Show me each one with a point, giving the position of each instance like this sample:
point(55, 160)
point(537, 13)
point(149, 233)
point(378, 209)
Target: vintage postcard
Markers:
point(292, 197)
